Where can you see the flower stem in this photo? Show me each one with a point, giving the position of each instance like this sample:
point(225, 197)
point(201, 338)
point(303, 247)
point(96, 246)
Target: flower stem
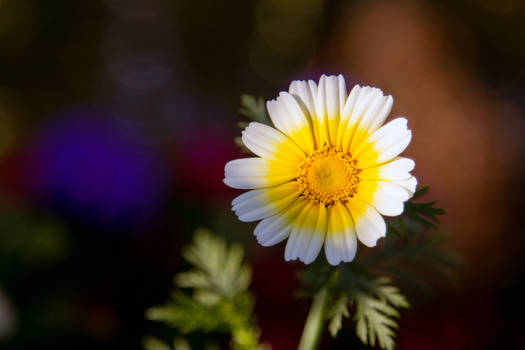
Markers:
point(313, 327)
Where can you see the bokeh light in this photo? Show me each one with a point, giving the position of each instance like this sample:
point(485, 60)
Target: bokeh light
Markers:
point(86, 167)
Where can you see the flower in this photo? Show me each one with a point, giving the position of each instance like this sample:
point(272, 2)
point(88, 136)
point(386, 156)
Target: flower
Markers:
point(326, 172)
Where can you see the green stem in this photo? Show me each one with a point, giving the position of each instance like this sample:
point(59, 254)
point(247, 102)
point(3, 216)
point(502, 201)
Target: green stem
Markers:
point(314, 325)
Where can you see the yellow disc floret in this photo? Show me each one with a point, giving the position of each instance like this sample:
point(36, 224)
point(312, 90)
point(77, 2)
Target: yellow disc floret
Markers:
point(328, 176)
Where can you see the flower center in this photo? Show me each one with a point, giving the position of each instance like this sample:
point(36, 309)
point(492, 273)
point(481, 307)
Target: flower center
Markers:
point(328, 176)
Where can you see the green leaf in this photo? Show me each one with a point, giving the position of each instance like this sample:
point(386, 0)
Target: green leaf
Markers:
point(390, 293)
point(219, 268)
point(336, 314)
point(208, 346)
point(254, 108)
point(186, 314)
point(152, 343)
point(219, 299)
point(376, 311)
point(181, 344)
point(424, 213)
point(376, 303)
point(421, 191)
point(375, 314)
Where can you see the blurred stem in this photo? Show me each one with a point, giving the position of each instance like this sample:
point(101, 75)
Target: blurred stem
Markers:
point(314, 325)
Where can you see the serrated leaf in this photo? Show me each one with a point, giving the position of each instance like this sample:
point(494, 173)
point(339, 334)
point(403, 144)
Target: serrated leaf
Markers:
point(424, 213)
point(394, 296)
point(152, 343)
point(181, 344)
point(220, 300)
point(375, 322)
point(336, 314)
point(188, 315)
point(193, 279)
point(238, 142)
point(209, 346)
point(421, 191)
point(254, 108)
point(376, 311)
point(206, 297)
point(218, 268)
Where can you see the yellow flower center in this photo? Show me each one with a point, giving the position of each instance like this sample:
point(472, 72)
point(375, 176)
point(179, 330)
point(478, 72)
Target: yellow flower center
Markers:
point(328, 175)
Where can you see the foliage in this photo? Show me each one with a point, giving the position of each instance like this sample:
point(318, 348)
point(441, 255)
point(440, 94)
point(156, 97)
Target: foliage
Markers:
point(375, 314)
point(425, 213)
point(220, 300)
point(30, 238)
point(411, 253)
point(415, 248)
point(213, 296)
point(374, 302)
point(152, 343)
point(336, 314)
point(254, 108)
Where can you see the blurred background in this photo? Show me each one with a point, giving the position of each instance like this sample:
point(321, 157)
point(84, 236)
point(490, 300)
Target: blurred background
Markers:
point(117, 117)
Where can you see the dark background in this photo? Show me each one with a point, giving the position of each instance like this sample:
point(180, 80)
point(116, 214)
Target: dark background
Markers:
point(117, 117)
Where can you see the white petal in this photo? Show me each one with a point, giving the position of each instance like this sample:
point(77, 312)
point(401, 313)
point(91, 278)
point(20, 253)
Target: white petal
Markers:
point(359, 122)
point(384, 144)
point(369, 225)
point(409, 185)
point(296, 239)
point(377, 113)
point(318, 236)
point(270, 143)
point(288, 116)
point(307, 235)
point(307, 92)
point(259, 204)
point(313, 248)
point(275, 229)
point(342, 92)
point(341, 242)
point(250, 173)
point(346, 115)
point(397, 169)
point(386, 196)
point(330, 99)
point(331, 249)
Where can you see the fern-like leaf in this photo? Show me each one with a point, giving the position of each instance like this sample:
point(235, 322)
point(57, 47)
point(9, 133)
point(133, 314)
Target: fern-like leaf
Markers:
point(218, 268)
point(336, 314)
point(376, 313)
point(152, 343)
point(424, 213)
point(254, 108)
point(220, 300)
point(188, 315)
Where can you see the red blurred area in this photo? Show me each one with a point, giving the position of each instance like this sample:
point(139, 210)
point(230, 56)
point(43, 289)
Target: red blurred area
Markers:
point(199, 162)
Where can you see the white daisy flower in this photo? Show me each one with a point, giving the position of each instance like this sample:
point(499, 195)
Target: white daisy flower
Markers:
point(326, 172)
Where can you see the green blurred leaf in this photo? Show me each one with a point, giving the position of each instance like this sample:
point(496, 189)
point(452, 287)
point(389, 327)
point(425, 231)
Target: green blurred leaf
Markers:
point(186, 314)
point(336, 314)
point(33, 239)
point(218, 268)
point(220, 300)
point(152, 343)
point(254, 108)
point(181, 344)
point(376, 311)
point(424, 213)
point(375, 303)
